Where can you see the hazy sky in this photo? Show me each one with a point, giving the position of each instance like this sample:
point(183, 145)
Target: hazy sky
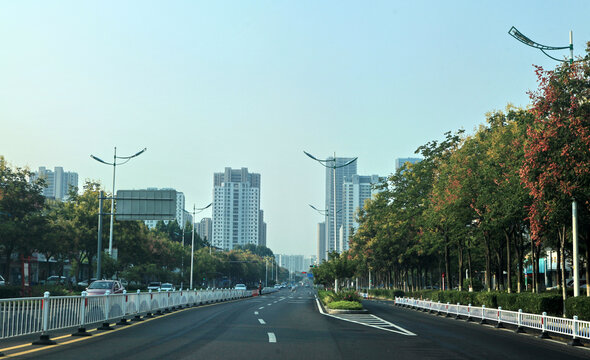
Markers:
point(215, 84)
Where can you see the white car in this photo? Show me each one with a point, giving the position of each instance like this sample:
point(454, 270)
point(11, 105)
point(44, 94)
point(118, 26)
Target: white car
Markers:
point(167, 287)
point(240, 287)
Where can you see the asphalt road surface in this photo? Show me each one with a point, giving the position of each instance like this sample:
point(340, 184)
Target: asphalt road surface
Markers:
point(288, 325)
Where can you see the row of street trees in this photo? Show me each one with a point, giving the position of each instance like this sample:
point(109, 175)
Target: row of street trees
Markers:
point(66, 234)
point(485, 204)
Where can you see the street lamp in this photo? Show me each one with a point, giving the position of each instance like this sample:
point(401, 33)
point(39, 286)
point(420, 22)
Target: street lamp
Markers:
point(114, 164)
point(195, 212)
point(331, 163)
point(525, 40)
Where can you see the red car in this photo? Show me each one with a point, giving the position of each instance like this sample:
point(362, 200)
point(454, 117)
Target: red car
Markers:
point(100, 287)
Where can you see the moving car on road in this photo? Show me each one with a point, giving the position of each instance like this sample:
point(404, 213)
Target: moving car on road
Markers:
point(100, 287)
point(154, 285)
point(240, 287)
point(167, 287)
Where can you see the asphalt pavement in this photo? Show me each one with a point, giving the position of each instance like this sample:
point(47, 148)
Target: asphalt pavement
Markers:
point(288, 325)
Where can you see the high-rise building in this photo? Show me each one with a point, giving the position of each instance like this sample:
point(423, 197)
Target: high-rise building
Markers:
point(261, 229)
point(236, 208)
point(205, 229)
point(341, 173)
point(294, 263)
point(322, 253)
point(401, 161)
point(182, 216)
point(355, 190)
point(57, 182)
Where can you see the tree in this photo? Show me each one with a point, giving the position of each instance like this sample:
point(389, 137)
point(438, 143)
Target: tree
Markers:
point(21, 204)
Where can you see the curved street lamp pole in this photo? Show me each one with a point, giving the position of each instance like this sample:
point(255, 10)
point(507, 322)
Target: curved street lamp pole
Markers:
point(195, 212)
point(332, 164)
point(525, 40)
point(114, 164)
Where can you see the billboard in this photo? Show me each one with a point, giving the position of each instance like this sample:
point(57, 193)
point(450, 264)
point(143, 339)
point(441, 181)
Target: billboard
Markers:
point(146, 205)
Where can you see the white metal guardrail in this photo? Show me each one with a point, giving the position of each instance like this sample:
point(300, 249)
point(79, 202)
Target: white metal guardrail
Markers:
point(26, 316)
point(576, 329)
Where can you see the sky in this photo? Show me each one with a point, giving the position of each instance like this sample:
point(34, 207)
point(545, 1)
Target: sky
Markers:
point(205, 85)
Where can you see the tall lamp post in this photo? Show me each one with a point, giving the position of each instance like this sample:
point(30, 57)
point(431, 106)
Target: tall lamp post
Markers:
point(195, 212)
point(325, 213)
point(525, 40)
point(332, 164)
point(114, 164)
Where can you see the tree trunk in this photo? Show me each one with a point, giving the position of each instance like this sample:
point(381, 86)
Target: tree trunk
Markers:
point(563, 278)
point(508, 279)
point(447, 267)
point(470, 269)
point(488, 261)
point(587, 264)
point(460, 261)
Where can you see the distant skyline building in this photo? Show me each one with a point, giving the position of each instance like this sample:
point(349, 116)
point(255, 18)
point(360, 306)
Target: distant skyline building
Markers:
point(182, 216)
point(308, 261)
point(57, 182)
point(205, 229)
point(236, 208)
point(293, 263)
point(401, 161)
point(261, 229)
point(341, 173)
point(355, 191)
point(322, 254)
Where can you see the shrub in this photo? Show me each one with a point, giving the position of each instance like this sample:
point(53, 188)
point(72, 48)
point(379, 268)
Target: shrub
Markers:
point(345, 305)
point(579, 306)
point(9, 292)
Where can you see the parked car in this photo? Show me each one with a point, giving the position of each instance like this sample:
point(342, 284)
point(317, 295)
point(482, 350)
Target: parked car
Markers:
point(240, 287)
point(85, 282)
point(167, 287)
point(154, 285)
point(100, 287)
point(54, 280)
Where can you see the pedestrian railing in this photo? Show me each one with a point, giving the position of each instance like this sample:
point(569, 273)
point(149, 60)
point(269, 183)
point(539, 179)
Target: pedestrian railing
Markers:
point(26, 316)
point(576, 329)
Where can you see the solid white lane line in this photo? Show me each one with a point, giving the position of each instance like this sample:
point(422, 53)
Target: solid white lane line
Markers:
point(272, 338)
point(255, 312)
point(261, 321)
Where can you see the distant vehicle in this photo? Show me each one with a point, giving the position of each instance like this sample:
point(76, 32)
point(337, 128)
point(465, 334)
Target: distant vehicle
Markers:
point(240, 287)
point(277, 286)
point(154, 285)
point(100, 287)
point(167, 287)
point(54, 280)
point(85, 282)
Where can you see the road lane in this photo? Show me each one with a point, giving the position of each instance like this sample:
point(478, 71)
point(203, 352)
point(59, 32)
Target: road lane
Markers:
point(293, 328)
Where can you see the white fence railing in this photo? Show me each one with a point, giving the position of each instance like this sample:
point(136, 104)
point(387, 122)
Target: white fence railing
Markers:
point(570, 327)
point(26, 316)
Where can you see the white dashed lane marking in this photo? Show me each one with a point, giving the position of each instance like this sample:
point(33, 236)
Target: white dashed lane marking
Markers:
point(255, 312)
point(261, 321)
point(272, 338)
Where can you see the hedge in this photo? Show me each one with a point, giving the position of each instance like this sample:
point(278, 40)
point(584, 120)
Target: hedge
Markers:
point(579, 306)
point(552, 303)
point(345, 305)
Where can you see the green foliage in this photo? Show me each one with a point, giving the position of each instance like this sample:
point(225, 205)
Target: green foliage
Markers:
point(579, 306)
point(345, 305)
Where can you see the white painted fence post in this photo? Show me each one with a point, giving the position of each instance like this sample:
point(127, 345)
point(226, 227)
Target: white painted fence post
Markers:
point(44, 338)
point(107, 307)
point(83, 304)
